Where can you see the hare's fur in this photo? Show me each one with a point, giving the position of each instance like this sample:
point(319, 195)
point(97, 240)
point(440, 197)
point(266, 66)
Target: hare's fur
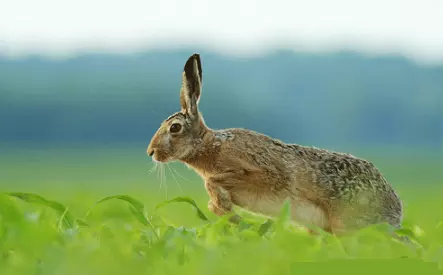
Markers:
point(334, 191)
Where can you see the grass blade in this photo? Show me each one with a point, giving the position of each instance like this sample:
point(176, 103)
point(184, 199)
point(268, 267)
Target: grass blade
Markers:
point(188, 200)
point(136, 207)
point(66, 218)
point(134, 202)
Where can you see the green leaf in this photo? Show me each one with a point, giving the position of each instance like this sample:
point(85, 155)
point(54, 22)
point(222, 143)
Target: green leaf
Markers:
point(243, 226)
point(408, 233)
point(265, 227)
point(82, 222)
point(66, 218)
point(439, 230)
point(140, 216)
point(189, 200)
point(134, 202)
point(136, 207)
point(285, 214)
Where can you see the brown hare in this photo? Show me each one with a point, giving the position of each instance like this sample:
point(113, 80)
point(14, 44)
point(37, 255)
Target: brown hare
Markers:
point(333, 191)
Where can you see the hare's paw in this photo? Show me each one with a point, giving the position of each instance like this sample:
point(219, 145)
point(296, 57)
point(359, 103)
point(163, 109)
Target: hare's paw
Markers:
point(220, 212)
point(214, 209)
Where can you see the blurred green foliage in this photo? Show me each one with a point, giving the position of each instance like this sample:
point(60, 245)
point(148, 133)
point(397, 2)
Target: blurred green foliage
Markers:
point(141, 242)
point(101, 211)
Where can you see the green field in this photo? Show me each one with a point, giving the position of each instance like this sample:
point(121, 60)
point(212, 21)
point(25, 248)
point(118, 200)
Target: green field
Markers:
point(65, 232)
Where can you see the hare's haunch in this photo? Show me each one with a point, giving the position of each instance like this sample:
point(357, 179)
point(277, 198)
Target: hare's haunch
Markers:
point(334, 191)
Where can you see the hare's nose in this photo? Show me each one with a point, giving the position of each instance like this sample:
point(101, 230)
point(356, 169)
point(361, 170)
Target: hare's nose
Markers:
point(150, 152)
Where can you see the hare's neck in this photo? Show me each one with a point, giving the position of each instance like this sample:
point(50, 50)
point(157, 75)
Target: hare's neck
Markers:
point(202, 159)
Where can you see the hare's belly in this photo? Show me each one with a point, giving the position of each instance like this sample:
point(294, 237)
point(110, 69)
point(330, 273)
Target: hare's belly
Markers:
point(303, 211)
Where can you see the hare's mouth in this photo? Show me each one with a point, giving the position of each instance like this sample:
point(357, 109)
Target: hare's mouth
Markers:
point(156, 157)
point(158, 160)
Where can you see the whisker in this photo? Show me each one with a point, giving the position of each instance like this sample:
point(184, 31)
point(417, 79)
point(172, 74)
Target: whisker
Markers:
point(178, 184)
point(180, 174)
point(152, 169)
point(163, 173)
point(158, 168)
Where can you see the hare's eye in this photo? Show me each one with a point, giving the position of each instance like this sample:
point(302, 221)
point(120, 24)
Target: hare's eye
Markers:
point(175, 128)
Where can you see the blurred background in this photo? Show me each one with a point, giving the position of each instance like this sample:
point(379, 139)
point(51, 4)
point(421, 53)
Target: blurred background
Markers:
point(85, 84)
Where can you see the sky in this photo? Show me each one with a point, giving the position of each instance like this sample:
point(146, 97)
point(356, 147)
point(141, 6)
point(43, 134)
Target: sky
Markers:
point(63, 28)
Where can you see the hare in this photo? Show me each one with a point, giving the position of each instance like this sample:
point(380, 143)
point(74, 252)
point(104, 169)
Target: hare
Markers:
point(333, 191)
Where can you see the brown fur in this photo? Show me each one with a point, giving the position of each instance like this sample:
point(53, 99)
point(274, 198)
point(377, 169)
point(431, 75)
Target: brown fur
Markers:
point(334, 191)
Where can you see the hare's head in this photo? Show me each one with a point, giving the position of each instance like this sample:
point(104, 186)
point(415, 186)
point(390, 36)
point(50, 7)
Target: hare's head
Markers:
point(180, 134)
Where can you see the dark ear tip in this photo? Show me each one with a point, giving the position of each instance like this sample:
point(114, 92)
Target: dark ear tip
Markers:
point(191, 59)
point(196, 56)
point(189, 66)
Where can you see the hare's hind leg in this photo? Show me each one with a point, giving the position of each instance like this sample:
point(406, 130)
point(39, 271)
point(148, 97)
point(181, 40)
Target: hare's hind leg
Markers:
point(347, 221)
point(308, 213)
point(336, 225)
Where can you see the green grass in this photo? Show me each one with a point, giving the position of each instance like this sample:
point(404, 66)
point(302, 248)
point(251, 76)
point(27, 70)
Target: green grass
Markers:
point(102, 212)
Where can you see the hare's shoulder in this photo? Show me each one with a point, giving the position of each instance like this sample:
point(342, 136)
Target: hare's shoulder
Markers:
point(238, 133)
point(251, 138)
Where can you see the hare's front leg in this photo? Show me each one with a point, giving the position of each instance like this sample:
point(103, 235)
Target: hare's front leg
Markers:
point(220, 202)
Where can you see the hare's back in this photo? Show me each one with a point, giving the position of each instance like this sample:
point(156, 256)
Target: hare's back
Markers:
point(343, 174)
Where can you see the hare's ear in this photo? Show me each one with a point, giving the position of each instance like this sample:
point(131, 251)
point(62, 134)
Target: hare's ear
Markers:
point(191, 85)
